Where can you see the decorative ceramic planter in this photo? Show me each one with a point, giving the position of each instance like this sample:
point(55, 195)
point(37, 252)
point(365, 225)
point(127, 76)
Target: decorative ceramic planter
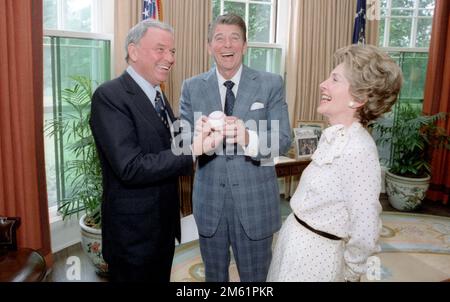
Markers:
point(404, 193)
point(91, 241)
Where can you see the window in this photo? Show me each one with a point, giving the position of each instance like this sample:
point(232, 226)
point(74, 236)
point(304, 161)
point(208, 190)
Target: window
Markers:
point(405, 32)
point(71, 48)
point(265, 50)
point(70, 15)
point(414, 66)
point(406, 23)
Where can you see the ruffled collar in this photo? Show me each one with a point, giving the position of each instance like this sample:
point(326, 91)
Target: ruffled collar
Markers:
point(333, 142)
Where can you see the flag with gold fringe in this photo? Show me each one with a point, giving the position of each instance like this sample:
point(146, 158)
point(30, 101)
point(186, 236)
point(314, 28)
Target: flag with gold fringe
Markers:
point(152, 9)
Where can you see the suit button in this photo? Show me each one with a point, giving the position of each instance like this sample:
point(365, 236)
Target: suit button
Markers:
point(222, 185)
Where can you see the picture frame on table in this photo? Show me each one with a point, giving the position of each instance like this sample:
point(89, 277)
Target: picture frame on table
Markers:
point(316, 126)
point(306, 142)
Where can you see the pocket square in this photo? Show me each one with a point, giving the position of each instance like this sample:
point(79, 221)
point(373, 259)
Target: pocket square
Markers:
point(256, 106)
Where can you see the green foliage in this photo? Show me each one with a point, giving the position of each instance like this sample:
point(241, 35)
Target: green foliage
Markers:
point(83, 172)
point(401, 20)
point(258, 25)
point(413, 136)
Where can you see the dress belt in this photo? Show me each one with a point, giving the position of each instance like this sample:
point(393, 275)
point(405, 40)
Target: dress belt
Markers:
point(321, 233)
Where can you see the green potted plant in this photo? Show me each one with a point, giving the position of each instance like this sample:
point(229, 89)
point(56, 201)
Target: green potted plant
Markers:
point(82, 169)
point(412, 136)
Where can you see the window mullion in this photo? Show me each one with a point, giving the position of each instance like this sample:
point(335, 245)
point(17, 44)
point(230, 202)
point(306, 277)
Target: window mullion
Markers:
point(60, 20)
point(95, 9)
point(414, 24)
point(56, 137)
point(387, 24)
point(273, 21)
point(59, 150)
point(247, 14)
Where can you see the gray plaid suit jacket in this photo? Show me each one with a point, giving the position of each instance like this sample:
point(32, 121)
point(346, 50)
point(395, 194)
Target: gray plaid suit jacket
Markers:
point(254, 186)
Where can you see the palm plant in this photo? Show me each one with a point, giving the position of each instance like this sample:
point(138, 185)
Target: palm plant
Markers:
point(412, 136)
point(82, 171)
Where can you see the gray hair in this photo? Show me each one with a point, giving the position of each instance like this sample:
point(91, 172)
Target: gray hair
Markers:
point(138, 31)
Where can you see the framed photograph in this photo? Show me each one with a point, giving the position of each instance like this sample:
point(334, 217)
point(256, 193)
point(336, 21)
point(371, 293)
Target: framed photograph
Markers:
point(306, 142)
point(316, 126)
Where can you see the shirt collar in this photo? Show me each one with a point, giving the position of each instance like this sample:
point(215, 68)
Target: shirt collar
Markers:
point(235, 79)
point(333, 142)
point(148, 88)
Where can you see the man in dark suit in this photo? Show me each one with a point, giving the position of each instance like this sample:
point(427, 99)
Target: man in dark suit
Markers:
point(235, 196)
point(131, 121)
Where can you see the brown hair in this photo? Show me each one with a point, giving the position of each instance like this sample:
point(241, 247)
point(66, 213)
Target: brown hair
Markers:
point(228, 19)
point(374, 78)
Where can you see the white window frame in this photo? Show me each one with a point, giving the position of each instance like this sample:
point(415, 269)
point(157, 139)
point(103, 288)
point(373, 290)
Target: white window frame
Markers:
point(278, 24)
point(273, 3)
point(66, 233)
point(413, 35)
point(54, 216)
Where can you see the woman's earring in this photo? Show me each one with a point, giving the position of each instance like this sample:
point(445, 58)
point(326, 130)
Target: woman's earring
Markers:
point(351, 104)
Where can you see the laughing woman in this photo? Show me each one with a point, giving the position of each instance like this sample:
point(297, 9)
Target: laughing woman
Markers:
point(335, 224)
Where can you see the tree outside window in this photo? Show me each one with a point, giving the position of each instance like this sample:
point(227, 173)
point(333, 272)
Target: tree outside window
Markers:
point(260, 16)
point(406, 23)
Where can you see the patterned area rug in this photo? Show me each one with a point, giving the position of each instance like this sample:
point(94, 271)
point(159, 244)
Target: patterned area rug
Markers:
point(415, 247)
point(405, 232)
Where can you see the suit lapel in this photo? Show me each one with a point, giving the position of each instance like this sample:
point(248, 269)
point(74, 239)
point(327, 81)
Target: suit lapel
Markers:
point(212, 101)
point(142, 102)
point(169, 109)
point(248, 87)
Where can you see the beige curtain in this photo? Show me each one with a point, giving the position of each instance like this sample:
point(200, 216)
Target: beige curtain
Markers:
point(372, 22)
point(127, 14)
point(317, 29)
point(190, 19)
point(372, 32)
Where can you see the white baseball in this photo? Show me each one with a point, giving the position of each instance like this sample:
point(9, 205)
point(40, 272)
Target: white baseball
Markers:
point(216, 119)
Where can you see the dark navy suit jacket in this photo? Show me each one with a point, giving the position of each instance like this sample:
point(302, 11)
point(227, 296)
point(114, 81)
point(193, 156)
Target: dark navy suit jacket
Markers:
point(140, 209)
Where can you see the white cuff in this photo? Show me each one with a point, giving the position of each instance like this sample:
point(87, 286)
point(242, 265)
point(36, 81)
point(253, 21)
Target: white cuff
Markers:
point(253, 144)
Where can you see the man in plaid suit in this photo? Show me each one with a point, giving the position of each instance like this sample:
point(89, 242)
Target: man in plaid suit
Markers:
point(236, 196)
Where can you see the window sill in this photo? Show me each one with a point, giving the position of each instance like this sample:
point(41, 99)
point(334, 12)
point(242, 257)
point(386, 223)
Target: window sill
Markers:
point(64, 233)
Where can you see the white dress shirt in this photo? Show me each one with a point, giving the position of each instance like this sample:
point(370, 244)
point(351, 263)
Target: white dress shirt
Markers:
point(339, 192)
point(253, 143)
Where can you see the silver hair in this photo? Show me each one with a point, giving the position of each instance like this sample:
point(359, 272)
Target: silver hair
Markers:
point(138, 31)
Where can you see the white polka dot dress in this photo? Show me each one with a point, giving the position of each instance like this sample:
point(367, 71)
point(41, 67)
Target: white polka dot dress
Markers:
point(338, 193)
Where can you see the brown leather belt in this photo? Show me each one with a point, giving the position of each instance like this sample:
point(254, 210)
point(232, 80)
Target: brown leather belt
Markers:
point(323, 234)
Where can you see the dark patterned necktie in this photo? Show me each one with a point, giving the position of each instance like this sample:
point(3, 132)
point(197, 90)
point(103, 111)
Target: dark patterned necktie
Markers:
point(229, 98)
point(228, 110)
point(161, 109)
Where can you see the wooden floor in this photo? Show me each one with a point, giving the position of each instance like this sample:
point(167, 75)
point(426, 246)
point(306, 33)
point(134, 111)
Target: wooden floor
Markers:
point(87, 272)
point(63, 266)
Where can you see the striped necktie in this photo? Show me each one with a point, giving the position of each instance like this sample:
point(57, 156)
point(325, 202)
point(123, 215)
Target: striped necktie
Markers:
point(161, 109)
